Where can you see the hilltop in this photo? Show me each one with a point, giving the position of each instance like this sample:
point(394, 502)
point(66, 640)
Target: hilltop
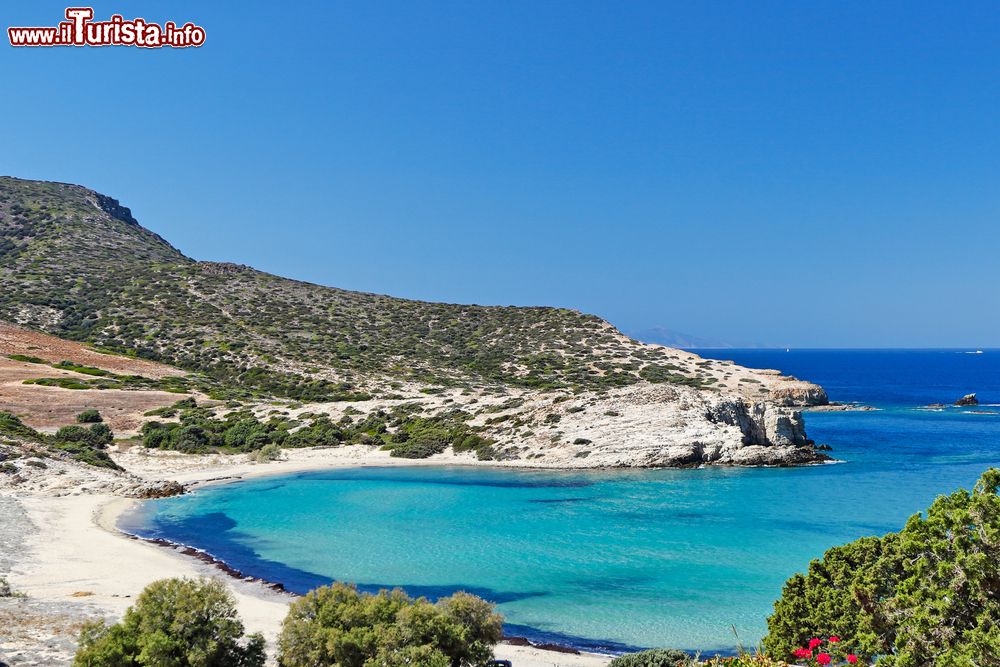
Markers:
point(545, 386)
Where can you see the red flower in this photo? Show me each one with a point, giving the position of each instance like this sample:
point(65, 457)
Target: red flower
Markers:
point(851, 658)
point(802, 653)
point(824, 658)
point(813, 643)
point(834, 639)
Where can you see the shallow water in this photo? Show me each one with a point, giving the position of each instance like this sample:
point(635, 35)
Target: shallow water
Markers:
point(618, 559)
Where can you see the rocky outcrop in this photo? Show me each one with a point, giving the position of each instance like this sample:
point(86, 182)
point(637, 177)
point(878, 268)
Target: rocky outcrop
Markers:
point(800, 393)
point(113, 207)
point(652, 426)
point(968, 399)
point(161, 489)
point(772, 435)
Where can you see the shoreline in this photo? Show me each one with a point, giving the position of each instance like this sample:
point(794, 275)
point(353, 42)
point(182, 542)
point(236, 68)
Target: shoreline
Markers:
point(198, 554)
point(77, 552)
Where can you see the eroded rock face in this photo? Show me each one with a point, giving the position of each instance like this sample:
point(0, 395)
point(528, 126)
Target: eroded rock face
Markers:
point(661, 426)
point(800, 394)
point(762, 423)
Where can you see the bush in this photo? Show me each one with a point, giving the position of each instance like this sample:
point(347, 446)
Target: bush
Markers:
point(101, 435)
point(337, 625)
point(174, 623)
point(73, 434)
point(90, 416)
point(321, 431)
point(239, 434)
point(190, 439)
point(928, 595)
point(742, 660)
point(660, 657)
point(97, 436)
point(26, 358)
point(267, 453)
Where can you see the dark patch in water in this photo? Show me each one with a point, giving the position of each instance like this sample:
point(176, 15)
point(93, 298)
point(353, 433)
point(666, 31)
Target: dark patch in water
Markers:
point(522, 480)
point(619, 583)
point(558, 500)
point(544, 637)
point(216, 536)
point(270, 487)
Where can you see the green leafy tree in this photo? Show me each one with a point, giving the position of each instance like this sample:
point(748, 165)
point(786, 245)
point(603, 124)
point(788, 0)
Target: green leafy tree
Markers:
point(174, 623)
point(926, 596)
point(337, 625)
point(947, 607)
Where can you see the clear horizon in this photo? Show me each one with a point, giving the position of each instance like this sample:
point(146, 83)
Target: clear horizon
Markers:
point(776, 175)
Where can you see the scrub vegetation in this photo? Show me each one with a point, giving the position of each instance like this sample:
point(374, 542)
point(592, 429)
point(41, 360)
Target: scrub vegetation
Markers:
point(78, 265)
point(927, 595)
point(85, 442)
point(194, 623)
point(402, 430)
point(337, 625)
point(174, 623)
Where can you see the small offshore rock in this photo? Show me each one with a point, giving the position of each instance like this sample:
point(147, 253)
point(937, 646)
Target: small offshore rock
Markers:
point(968, 399)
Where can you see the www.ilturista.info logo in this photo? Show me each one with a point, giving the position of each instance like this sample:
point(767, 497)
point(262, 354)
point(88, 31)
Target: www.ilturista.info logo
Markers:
point(81, 30)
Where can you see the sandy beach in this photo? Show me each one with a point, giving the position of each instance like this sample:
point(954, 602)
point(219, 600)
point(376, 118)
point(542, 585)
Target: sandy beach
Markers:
point(73, 553)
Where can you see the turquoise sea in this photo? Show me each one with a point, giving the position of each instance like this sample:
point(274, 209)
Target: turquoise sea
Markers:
point(619, 559)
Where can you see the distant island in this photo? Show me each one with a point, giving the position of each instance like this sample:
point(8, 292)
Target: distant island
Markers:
point(670, 338)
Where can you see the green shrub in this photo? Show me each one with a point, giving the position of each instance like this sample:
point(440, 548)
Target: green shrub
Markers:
point(90, 416)
point(660, 657)
point(337, 625)
point(174, 623)
point(242, 432)
point(190, 439)
point(7, 591)
point(927, 595)
point(267, 453)
point(101, 435)
point(73, 434)
point(742, 660)
point(12, 426)
point(62, 383)
point(98, 435)
point(78, 368)
point(25, 358)
point(321, 432)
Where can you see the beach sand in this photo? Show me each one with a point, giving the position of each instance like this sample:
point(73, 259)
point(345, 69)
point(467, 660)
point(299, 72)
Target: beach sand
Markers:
point(74, 553)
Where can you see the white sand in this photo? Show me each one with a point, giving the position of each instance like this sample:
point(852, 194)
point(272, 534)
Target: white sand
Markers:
point(78, 553)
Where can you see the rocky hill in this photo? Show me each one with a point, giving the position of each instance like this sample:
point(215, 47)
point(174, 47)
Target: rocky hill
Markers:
point(550, 386)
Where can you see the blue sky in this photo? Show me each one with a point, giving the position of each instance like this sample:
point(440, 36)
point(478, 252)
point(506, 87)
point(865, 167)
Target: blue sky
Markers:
point(782, 173)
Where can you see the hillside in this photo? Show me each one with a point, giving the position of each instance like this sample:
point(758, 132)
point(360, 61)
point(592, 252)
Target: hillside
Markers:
point(76, 264)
